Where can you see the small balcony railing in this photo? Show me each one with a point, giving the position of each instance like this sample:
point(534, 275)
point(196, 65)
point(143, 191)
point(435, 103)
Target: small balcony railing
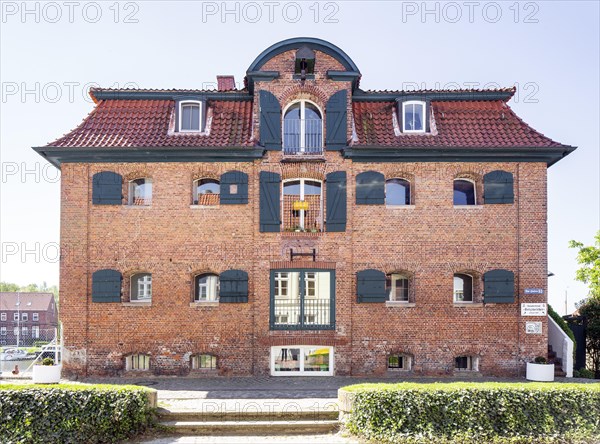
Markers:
point(297, 314)
point(302, 137)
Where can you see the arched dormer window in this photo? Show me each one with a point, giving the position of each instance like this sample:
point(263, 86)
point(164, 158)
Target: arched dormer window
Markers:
point(413, 116)
point(302, 128)
point(190, 116)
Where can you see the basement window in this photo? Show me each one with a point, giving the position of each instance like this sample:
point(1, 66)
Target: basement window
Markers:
point(137, 362)
point(399, 362)
point(204, 362)
point(413, 117)
point(190, 116)
point(466, 363)
point(206, 192)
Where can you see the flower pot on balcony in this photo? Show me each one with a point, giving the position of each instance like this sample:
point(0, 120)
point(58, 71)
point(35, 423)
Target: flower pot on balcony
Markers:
point(540, 372)
point(46, 374)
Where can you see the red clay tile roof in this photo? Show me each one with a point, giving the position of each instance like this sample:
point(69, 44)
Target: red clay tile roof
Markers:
point(457, 124)
point(145, 123)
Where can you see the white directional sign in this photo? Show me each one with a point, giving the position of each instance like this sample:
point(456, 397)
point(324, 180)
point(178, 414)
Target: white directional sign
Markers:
point(537, 309)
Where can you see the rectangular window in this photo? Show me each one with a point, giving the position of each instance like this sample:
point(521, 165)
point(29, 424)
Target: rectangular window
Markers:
point(303, 360)
point(35, 332)
point(399, 362)
point(24, 331)
point(201, 362)
point(137, 362)
point(302, 300)
point(413, 117)
point(35, 316)
point(190, 114)
point(466, 363)
point(3, 331)
point(16, 316)
point(16, 331)
point(3, 317)
point(24, 316)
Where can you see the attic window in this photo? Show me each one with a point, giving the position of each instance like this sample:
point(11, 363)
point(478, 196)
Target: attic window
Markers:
point(190, 116)
point(413, 117)
point(305, 61)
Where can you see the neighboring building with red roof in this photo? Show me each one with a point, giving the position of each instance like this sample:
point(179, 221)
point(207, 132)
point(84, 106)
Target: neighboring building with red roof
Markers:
point(302, 226)
point(27, 318)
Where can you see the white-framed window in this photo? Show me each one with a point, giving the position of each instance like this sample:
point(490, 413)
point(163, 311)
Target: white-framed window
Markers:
point(16, 316)
point(35, 331)
point(302, 128)
point(302, 205)
point(464, 192)
point(24, 316)
point(302, 360)
point(282, 285)
point(397, 287)
point(35, 317)
point(207, 288)
point(141, 287)
point(466, 363)
point(190, 116)
point(2, 316)
point(413, 116)
point(398, 362)
point(3, 331)
point(16, 331)
point(204, 362)
point(463, 287)
point(140, 192)
point(137, 362)
point(24, 331)
point(310, 284)
point(397, 192)
point(206, 192)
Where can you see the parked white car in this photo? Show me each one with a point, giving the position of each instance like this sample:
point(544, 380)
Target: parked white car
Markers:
point(13, 354)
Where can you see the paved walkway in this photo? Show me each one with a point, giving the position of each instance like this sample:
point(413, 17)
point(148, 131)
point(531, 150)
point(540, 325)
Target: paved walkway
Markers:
point(289, 439)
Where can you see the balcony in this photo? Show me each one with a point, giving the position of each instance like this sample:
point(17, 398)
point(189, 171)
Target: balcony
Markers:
point(303, 137)
point(302, 314)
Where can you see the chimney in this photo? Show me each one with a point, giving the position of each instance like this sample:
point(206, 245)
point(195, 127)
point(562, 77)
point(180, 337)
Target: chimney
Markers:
point(225, 83)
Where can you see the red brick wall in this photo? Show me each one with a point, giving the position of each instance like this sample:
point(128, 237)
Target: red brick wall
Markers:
point(431, 240)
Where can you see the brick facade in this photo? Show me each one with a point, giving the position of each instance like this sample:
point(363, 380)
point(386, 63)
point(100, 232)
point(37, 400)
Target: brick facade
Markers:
point(174, 240)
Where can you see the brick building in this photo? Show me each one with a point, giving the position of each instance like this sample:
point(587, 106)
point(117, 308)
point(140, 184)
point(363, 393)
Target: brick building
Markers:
point(27, 318)
point(302, 226)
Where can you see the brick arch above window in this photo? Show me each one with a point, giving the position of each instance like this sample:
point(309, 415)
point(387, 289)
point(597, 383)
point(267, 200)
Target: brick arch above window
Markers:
point(306, 92)
point(303, 170)
point(205, 173)
point(137, 174)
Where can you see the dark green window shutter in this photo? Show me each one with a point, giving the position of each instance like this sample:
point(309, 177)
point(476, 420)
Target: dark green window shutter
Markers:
point(233, 286)
point(270, 209)
point(370, 188)
point(337, 121)
point(270, 121)
point(106, 286)
point(498, 188)
point(106, 188)
point(499, 287)
point(336, 201)
point(234, 188)
point(370, 286)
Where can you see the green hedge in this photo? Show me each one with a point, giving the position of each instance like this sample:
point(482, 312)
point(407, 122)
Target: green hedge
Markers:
point(474, 412)
point(563, 325)
point(72, 413)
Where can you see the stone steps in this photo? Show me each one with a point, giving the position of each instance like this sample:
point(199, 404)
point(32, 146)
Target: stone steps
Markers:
point(246, 417)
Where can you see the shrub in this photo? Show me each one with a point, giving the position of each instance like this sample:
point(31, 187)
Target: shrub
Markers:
point(540, 360)
point(474, 412)
point(47, 361)
point(584, 373)
point(72, 413)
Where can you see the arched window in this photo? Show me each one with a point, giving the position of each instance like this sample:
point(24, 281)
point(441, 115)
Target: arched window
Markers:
point(206, 288)
point(463, 288)
point(397, 192)
point(141, 287)
point(397, 287)
point(464, 192)
point(302, 129)
point(140, 192)
point(206, 192)
point(302, 205)
point(204, 362)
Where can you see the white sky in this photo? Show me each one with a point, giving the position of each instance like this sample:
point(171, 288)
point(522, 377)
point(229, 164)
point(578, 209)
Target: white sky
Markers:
point(52, 50)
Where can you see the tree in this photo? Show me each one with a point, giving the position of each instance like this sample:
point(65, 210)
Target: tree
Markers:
point(5, 286)
point(591, 310)
point(589, 258)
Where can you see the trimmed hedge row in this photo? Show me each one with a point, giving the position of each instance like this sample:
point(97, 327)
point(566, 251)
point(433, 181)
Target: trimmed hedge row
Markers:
point(72, 413)
point(473, 412)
